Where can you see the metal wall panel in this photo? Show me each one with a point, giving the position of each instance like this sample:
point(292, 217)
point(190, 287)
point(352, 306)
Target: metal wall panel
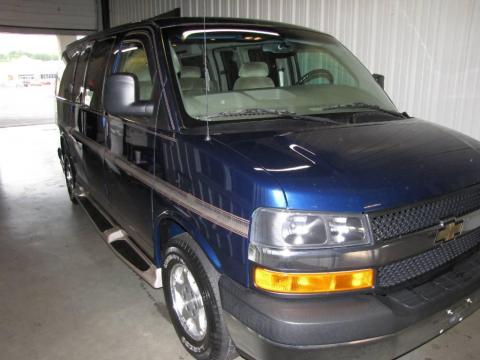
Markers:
point(429, 50)
point(48, 15)
point(125, 11)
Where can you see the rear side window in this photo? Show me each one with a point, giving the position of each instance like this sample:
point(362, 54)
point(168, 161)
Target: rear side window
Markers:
point(96, 73)
point(66, 84)
point(95, 127)
point(80, 75)
point(134, 60)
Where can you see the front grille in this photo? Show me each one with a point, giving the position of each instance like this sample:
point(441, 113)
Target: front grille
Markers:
point(459, 277)
point(397, 222)
point(410, 268)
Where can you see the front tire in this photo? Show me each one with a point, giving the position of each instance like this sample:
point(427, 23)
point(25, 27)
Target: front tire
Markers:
point(190, 285)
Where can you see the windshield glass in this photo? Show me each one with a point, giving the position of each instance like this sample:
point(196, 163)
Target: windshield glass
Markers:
point(255, 73)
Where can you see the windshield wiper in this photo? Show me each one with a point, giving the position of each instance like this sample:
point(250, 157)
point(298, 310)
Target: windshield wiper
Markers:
point(245, 112)
point(265, 111)
point(361, 105)
point(315, 118)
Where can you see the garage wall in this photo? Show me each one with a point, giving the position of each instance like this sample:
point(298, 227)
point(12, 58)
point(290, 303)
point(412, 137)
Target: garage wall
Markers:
point(125, 11)
point(429, 50)
point(48, 16)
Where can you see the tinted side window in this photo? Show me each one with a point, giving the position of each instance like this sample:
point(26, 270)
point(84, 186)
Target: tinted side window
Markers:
point(133, 59)
point(133, 143)
point(66, 84)
point(80, 75)
point(96, 73)
point(95, 127)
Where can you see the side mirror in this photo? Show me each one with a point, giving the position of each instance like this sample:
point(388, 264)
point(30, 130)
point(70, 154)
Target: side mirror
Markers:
point(380, 79)
point(120, 96)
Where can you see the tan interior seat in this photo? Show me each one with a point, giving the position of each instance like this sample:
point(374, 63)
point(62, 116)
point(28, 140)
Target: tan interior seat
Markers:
point(145, 84)
point(191, 78)
point(138, 65)
point(253, 75)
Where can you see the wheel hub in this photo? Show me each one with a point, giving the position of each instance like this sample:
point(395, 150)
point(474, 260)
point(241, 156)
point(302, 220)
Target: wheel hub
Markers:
point(68, 174)
point(187, 302)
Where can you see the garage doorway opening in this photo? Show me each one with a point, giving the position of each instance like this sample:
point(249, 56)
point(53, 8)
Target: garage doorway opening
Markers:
point(30, 68)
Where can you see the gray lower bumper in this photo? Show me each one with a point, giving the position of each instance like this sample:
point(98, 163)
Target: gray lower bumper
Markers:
point(255, 346)
point(350, 326)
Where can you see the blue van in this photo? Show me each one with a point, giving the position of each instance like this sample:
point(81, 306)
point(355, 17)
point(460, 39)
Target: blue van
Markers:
point(260, 174)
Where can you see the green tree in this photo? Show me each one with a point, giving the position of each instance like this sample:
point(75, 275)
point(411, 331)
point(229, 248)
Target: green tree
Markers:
point(12, 55)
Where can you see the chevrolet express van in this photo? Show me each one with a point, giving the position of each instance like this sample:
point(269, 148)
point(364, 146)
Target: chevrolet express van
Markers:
point(260, 174)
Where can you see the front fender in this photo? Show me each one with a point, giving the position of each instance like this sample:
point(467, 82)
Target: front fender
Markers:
point(172, 222)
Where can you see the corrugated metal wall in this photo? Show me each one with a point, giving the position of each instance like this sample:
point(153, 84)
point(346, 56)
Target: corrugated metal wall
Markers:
point(124, 11)
point(57, 16)
point(429, 50)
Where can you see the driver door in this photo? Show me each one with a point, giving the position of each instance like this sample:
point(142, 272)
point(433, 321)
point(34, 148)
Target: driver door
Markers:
point(132, 140)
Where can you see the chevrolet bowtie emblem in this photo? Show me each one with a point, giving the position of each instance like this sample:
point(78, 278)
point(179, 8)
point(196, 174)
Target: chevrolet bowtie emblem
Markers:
point(449, 230)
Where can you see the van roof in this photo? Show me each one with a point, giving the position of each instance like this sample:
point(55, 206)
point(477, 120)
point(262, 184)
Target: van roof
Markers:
point(173, 21)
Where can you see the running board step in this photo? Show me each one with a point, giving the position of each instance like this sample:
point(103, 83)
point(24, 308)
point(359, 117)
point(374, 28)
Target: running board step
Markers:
point(121, 244)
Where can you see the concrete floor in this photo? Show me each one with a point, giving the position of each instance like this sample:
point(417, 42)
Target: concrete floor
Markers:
point(65, 295)
point(41, 107)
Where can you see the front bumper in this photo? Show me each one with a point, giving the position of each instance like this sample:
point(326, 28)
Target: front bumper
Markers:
point(349, 326)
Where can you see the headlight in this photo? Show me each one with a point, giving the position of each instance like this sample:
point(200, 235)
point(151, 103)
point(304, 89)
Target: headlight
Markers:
point(278, 233)
point(298, 229)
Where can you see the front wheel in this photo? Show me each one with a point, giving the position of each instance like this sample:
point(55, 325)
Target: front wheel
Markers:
point(190, 285)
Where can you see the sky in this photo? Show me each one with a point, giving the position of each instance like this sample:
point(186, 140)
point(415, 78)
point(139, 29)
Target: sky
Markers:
point(43, 44)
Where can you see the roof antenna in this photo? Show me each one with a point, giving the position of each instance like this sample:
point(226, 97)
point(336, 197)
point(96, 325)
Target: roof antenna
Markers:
point(205, 69)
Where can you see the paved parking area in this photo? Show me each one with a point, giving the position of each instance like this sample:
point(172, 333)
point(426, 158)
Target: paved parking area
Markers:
point(20, 106)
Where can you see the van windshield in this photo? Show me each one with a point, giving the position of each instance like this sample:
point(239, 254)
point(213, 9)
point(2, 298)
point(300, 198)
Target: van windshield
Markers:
point(255, 73)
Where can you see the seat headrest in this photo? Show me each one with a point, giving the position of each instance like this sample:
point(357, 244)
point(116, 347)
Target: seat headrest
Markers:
point(191, 72)
point(253, 69)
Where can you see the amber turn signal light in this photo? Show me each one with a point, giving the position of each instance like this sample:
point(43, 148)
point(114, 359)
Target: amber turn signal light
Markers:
point(313, 283)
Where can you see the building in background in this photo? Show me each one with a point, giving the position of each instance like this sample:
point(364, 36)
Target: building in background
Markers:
point(25, 71)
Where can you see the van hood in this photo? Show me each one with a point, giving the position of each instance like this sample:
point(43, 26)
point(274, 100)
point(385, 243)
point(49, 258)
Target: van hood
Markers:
point(361, 168)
